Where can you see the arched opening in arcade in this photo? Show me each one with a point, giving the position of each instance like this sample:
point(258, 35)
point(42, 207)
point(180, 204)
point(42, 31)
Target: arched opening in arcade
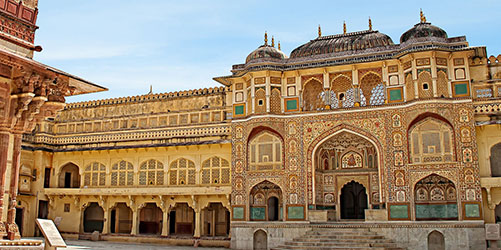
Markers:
point(353, 201)
point(150, 219)
point(93, 218)
point(495, 160)
point(435, 198)
point(346, 177)
point(69, 176)
point(182, 220)
point(266, 202)
point(216, 220)
point(121, 219)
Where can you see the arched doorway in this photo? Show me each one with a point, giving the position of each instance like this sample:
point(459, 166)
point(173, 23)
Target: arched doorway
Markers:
point(216, 220)
point(69, 176)
point(150, 220)
point(495, 160)
point(435, 198)
point(93, 218)
point(436, 241)
point(121, 219)
point(345, 156)
point(266, 202)
point(260, 240)
point(353, 201)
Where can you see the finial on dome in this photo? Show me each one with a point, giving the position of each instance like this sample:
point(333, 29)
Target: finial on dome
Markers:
point(370, 24)
point(272, 41)
point(265, 38)
point(423, 18)
point(278, 45)
point(344, 27)
point(319, 31)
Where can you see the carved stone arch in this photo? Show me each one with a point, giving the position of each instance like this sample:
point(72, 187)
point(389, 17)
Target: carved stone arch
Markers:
point(255, 182)
point(495, 159)
point(428, 116)
point(61, 166)
point(415, 177)
point(370, 72)
point(311, 79)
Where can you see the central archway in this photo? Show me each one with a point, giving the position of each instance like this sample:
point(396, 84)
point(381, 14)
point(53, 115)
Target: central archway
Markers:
point(353, 201)
point(265, 202)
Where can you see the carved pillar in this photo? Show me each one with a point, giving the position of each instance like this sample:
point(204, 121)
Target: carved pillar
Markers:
point(106, 224)
point(12, 229)
point(135, 218)
point(4, 150)
point(165, 221)
point(197, 223)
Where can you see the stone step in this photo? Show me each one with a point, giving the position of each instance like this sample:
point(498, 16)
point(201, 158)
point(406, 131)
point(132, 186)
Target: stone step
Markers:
point(348, 235)
point(341, 244)
point(376, 237)
point(307, 241)
point(335, 248)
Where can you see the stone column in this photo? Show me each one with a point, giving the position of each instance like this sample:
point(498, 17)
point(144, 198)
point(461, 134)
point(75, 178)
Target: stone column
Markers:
point(135, 218)
point(165, 222)
point(4, 151)
point(197, 223)
point(12, 229)
point(106, 224)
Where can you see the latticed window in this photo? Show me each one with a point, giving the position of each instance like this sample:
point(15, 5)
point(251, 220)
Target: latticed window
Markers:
point(182, 172)
point(215, 171)
point(151, 172)
point(122, 174)
point(265, 152)
point(431, 141)
point(95, 175)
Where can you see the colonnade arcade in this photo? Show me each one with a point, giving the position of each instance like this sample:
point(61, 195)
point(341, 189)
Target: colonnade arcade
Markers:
point(180, 215)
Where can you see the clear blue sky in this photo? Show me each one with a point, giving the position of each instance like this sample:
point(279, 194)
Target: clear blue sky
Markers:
point(128, 45)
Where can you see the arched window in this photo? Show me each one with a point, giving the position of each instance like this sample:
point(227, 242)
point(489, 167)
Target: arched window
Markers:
point(265, 152)
point(95, 175)
point(122, 174)
point(182, 172)
point(215, 171)
point(151, 172)
point(368, 83)
point(496, 160)
point(430, 140)
point(311, 98)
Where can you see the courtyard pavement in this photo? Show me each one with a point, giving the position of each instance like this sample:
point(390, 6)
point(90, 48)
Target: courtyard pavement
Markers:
point(106, 245)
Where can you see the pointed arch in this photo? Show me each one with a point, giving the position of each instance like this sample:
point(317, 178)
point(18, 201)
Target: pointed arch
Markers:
point(265, 147)
point(311, 91)
point(435, 198)
point(215, 171)
point(182, 172)
point(151, 172)
point(122, 174)
point(425, 84)
point(431, 139)
point(95, 174)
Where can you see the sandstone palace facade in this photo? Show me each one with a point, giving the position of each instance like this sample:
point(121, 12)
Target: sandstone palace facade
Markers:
point(350, 133)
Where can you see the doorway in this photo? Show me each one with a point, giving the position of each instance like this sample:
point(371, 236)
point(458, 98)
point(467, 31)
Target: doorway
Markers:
point(172, 222)
point(67, 180)
point(19, 219)
point(273, 209)
point(353, 201)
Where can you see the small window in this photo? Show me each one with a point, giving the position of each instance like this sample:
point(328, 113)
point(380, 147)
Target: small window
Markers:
point(341, 96)
point(425, 86)
point(260, 102)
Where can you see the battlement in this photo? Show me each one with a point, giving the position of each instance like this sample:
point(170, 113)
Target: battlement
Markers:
point(494, 60)
point(147, 97)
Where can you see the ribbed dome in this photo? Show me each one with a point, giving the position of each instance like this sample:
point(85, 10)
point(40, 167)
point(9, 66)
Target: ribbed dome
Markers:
point(265, 51)
point(423, 30)
point(353, 41)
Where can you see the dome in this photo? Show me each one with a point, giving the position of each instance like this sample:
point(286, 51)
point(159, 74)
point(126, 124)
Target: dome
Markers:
point(265, 52)
point(423, 30)
point(354, 41)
